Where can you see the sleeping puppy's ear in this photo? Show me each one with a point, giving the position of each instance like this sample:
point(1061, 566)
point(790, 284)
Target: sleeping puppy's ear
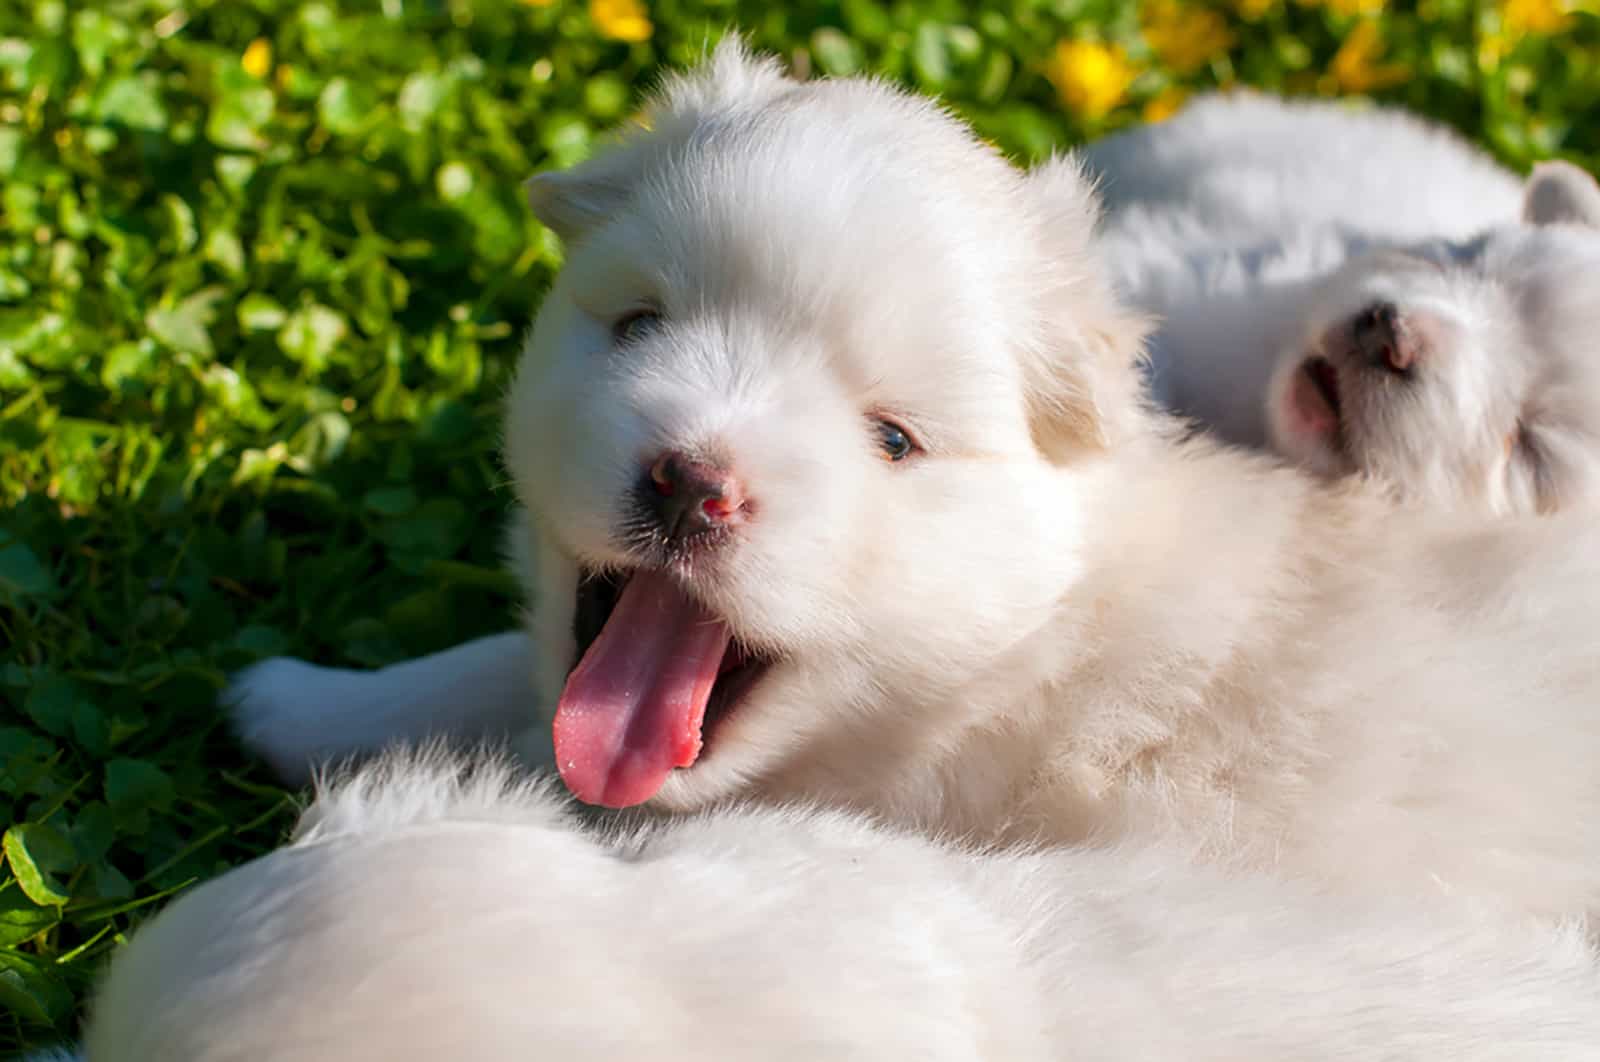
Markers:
point(1559, 193)
point(1084, 387)
point(730, 78)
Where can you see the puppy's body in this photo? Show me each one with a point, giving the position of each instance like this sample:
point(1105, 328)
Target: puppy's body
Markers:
point(417, 917)
point(1354, 708)
point(1365, 293)
point(1047, 619)
point(1238, 168)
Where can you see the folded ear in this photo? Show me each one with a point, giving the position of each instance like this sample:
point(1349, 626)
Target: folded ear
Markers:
point(573, 201)
point(1084, 387)
point(1561, 193)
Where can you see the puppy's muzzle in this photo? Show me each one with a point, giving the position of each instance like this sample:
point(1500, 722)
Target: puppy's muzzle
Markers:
point(690, 498)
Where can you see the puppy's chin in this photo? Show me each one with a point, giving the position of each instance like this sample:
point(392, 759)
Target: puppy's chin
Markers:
point(739, 748)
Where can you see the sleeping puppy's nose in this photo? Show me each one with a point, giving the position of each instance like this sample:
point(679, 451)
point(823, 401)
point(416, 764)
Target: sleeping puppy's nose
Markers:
point(692, 497)
point(1382, 341)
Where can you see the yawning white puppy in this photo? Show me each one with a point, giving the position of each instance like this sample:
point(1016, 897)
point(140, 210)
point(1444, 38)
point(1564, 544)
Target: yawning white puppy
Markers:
point(838, 486)
point(1367, 294)
point(417, 916)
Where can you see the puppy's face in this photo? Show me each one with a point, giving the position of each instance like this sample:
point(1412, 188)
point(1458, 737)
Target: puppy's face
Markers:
point(785, 431)
point(1460, 373)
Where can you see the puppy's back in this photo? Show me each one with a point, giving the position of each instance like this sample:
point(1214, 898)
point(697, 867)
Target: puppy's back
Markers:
point(1254, 165)
point(417, 920)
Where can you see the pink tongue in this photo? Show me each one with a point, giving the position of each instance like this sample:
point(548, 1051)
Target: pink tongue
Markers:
point(633, 706)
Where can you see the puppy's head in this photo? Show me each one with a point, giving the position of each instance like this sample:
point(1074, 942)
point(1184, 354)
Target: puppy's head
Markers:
point(793, 423)
point(1462, 373)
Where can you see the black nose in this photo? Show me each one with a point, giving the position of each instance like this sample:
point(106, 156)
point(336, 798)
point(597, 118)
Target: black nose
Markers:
point(692, 497)
point(1381, 339)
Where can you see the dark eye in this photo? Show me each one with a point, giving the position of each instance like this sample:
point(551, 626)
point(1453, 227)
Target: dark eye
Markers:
point(635, 325)
point(895, 440)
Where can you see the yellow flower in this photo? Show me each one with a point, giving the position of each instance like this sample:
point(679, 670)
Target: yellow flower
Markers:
point(1355, 67)
point(1090, 78)
point(1521, 17)
point(1350, 8)
point(1185, 37)
point(1252, 10)
point(1492, 48)
point(621, 20)
point(257, 59)
point(1165, 104)
point(536, 3)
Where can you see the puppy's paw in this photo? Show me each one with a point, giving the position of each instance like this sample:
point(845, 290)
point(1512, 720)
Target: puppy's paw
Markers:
point(288, 713)
point(297, 716)
point(534, 747)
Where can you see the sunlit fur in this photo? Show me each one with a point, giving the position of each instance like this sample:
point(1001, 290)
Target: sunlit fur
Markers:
point(1257, 230)
point(1059, 622)
point(422, 915)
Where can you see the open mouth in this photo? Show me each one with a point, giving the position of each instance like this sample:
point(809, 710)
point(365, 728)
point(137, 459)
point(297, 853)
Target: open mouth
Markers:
point(656, 674)
point(1315, 402)
point(1324, 379)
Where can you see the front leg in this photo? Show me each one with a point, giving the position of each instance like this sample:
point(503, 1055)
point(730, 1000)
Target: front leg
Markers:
point(296, 715)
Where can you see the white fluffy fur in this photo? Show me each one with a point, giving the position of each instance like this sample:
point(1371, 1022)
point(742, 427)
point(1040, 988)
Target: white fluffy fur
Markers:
point(1059, 623)
point(419, 917)
point(1259, 230)
point(474, 691)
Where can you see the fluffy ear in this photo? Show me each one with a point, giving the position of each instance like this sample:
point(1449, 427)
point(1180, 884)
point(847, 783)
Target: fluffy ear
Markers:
point(1561, 193)
point(1087, 397)
point(1084, 387)
point(573, 202)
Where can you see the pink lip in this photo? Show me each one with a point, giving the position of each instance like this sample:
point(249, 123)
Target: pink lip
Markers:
point(1314, 396)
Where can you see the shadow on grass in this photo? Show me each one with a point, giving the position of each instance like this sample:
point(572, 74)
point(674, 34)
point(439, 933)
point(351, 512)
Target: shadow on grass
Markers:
point(118, 627)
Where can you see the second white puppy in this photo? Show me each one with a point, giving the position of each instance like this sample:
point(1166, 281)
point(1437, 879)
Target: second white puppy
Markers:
point(1366, 293)
point(420, 917)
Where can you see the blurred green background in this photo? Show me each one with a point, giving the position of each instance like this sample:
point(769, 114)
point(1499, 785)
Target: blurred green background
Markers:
point(264, 270)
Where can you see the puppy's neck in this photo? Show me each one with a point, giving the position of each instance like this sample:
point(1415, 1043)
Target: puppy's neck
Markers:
point(1199, 565)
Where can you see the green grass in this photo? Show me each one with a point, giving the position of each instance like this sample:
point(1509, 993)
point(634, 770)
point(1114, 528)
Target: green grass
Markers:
point(264, 270)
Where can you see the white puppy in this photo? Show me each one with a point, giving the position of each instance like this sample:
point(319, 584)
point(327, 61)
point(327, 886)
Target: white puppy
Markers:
point(420, 916)
point(1456, 372)
point(838, 486)
point(1366, 293)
